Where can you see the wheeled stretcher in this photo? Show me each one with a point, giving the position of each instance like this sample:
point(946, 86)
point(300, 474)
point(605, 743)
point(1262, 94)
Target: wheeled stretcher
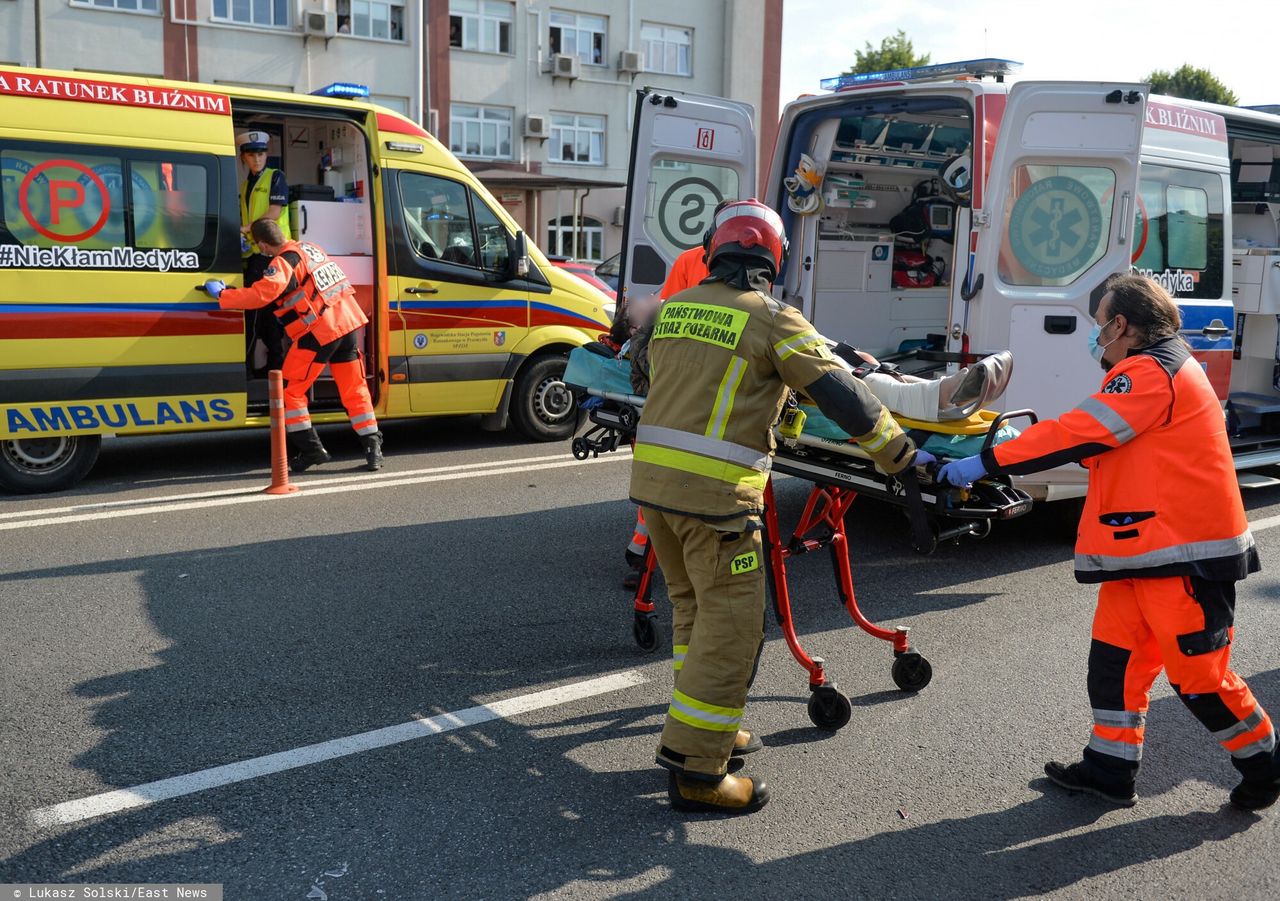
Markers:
point(840, 472)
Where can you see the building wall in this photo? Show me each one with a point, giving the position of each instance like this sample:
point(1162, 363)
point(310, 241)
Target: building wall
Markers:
point(730, 57)
point(182, 41)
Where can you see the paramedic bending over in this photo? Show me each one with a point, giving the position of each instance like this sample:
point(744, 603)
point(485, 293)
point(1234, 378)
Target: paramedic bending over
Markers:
point(1163, 535)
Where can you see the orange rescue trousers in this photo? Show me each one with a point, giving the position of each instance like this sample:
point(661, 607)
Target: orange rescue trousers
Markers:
point(1183, 625)
point(303, 365)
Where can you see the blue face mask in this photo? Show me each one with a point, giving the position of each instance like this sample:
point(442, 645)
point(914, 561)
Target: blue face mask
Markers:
point(1095, 349)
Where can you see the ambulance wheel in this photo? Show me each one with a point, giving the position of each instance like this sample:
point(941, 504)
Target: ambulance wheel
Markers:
point(542, 406)
point(645, 632)
point(52, 463)
point(828, 709)
point(911, 672)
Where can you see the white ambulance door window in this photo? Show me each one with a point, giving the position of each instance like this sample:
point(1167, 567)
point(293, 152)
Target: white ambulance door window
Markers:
point(1057, 223)
point(688, 153)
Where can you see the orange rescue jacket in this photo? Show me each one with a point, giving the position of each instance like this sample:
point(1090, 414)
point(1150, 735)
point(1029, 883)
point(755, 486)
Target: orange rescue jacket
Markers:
point(311, 294)
point(1163, 498)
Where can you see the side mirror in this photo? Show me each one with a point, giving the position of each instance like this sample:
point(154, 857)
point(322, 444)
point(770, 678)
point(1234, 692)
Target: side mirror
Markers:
point(519, 260)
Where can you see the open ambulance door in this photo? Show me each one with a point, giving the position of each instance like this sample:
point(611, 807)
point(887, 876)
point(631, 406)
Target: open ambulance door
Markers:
point(1056, 219)
point(688, 153)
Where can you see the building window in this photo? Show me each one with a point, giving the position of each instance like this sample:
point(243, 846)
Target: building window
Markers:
point(270, 13)
point(381, 19)
point(576, 139)
point(667, 48)
point(583, 242)
point(579, 35)
point(483, 25)
point(142, 6)
point(480, 131)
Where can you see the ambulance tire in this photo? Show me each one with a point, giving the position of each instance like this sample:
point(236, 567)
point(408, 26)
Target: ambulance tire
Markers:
point(542, 406)
point(54, 463)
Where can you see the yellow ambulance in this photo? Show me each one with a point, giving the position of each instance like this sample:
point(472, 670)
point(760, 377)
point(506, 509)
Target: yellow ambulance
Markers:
point(121, 197)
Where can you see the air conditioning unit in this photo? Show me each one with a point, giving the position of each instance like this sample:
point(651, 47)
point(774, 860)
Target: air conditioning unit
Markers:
point(433, 121)
point(564, 65)
point(630, 61)
point(321, 24)
point(619, 216)
point(537, 126)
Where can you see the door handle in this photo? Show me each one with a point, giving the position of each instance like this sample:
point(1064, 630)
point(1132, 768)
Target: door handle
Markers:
point(1060, 325)
point(1215, 329)
point(421, 290)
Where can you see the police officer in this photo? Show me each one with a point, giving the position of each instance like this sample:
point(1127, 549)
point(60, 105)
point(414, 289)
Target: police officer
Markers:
point(721, 357)
point(263, 194)
point(1165, 537)
point(316, 306)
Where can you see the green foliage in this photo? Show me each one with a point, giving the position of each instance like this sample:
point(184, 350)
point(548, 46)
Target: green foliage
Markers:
point(1192, 84)
point(894, 53)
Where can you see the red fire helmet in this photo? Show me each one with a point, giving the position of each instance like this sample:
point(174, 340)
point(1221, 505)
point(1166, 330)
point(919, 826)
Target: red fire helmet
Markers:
point(749, 228)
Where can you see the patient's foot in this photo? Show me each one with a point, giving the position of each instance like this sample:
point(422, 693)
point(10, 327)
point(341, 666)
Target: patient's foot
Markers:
point(969, 390)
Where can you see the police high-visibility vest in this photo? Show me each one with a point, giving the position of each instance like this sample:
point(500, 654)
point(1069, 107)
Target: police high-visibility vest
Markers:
point(1163, 498)
point(720, 361)
point(254, 204)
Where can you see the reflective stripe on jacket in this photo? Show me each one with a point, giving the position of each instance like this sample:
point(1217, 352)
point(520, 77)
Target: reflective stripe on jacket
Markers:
point(1163, 498)
point(720, 360)
point(310, 291)
point(254, 205)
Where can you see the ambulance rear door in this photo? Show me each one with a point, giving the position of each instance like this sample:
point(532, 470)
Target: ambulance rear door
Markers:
point(1057, 219)
point(688, 153)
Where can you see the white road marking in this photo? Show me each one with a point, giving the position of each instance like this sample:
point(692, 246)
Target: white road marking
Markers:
point(336, 485)
point(1262, 524)
point(177, 786)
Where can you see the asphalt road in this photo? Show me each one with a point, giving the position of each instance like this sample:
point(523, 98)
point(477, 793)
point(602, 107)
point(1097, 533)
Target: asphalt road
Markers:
point(161, 621)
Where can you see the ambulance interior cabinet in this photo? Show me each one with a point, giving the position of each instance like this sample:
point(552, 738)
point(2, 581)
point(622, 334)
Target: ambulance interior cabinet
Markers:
point(340, 229)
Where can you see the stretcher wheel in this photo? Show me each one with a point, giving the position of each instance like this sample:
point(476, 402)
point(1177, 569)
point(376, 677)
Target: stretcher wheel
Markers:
point(580, 449)
point(983, 530)
point(911, 672)
point(627, 419)
point(828, 709)
point(645, 632)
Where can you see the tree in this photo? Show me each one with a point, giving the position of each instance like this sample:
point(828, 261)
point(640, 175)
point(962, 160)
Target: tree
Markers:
point(895, 53)
point(1191, 83)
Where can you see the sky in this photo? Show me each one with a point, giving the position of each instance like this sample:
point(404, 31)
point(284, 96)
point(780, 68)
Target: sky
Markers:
point(1120, 40)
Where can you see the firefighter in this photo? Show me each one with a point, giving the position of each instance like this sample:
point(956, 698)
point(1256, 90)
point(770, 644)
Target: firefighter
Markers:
point(317, 308)
point(721, 357)
point(1155, 443)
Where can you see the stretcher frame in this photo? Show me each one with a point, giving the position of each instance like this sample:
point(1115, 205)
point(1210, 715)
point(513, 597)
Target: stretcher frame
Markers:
point(839, 472)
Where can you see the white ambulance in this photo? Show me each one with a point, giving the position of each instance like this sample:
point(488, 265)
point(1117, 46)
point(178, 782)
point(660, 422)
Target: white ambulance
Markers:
point(940, 213)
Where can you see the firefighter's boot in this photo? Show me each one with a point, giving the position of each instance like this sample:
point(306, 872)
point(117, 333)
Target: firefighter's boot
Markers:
point(745, 743)
point(1080, 777)
point(729, 794)
point(372, 451)
point(305, 450)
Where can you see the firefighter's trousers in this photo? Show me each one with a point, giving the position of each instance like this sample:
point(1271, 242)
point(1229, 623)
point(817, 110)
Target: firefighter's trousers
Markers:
point(1184, 626)
point(716, 581)
point(303, 364)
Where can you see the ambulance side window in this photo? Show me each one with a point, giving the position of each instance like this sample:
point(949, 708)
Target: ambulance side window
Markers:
point(437, 214)
point(110, 205)
point(1057, 223)
point(1178, 227)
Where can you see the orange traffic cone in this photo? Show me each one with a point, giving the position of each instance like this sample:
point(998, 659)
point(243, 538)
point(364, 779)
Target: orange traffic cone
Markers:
point(279, 450)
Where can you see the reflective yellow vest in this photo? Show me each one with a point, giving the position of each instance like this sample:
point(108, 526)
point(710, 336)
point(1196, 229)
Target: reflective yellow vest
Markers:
point(254, 206)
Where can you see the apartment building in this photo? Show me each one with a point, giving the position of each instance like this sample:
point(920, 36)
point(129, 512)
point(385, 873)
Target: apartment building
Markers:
point(537, 96)
point(287, 45)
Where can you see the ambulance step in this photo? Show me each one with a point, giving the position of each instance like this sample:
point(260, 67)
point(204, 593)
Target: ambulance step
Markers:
point(1256, 480)
point(1256, 459)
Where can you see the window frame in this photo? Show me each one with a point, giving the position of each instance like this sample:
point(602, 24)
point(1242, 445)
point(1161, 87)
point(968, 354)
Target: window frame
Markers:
point(481, 18)
point(664, 41)
point(576, 128)
point(229, 19)
point(346, 16)
point(481, 121)
point(579, 30)
point(568, 226)
point(1212, 280)
point(112, 7)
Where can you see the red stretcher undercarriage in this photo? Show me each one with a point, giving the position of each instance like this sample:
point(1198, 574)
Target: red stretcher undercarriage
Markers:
point(937, 513)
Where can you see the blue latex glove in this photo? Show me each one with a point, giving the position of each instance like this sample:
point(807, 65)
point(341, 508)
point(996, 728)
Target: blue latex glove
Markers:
point(215, 287)
point(962, 472)
point(924, 458)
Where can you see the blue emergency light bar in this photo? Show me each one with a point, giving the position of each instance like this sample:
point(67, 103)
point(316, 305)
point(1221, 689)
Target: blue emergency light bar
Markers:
point(977, 68)
point(343, 89)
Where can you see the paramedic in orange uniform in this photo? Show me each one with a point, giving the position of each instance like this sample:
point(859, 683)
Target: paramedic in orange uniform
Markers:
point(1163, 534)
point(317, 308)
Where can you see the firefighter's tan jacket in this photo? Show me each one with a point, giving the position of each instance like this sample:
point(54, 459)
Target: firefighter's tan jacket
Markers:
point(720, 361)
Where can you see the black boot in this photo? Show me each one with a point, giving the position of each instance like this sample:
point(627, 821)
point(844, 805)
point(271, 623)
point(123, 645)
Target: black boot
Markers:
point(1080, 777)
point(305, 450)
point(372, 451)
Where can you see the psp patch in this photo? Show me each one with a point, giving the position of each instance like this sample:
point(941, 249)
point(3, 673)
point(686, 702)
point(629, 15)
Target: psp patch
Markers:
point(744, 563)
point(1121, 384)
